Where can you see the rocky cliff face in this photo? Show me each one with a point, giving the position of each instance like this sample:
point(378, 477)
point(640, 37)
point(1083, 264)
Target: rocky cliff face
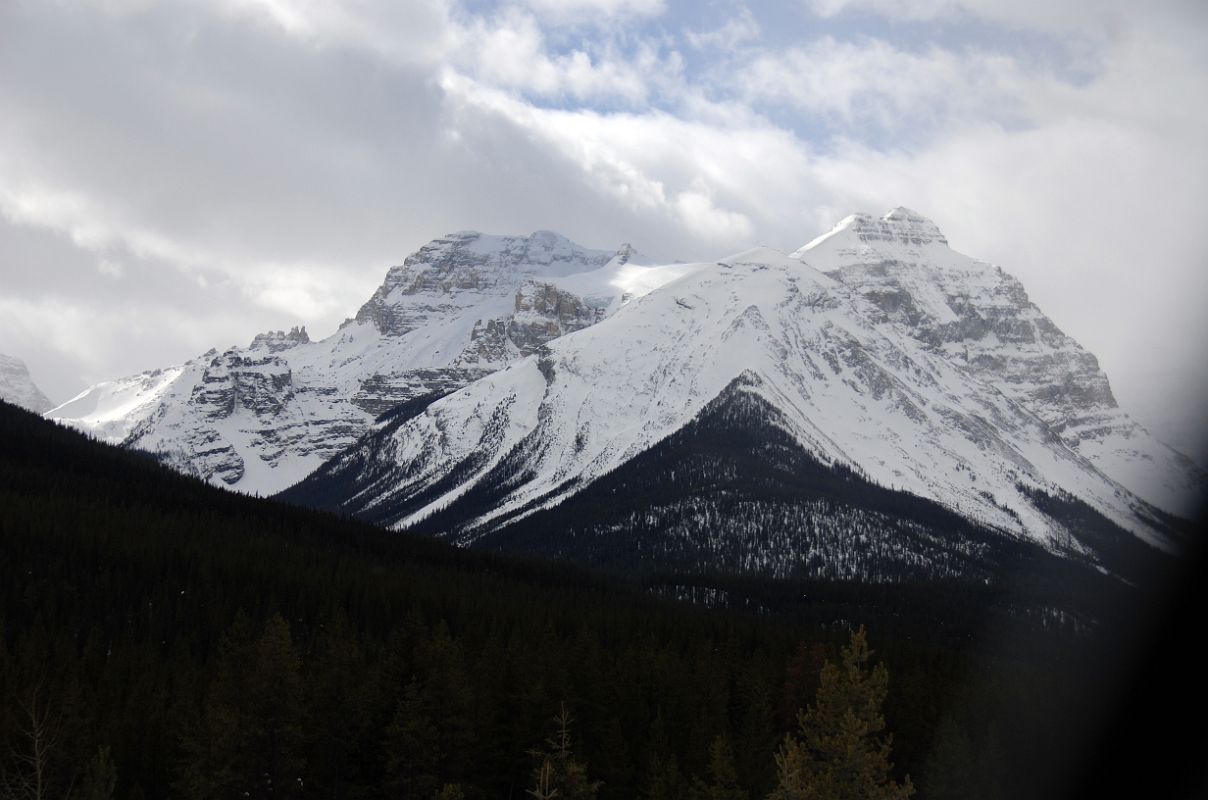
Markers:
point(259, 418)
point(276, 341)
point(877, 349)
point(18, 388)
point(542, 312)
point(448, 273)
point(981, 318)
point(759, 414)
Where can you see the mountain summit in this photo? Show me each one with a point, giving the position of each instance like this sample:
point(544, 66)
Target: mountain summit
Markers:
point(261, 417)
point(900, 228)
point(756, 412)
point(780, 409)
point(981, 319)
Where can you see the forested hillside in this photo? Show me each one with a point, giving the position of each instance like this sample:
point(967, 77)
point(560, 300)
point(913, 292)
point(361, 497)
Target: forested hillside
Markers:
point(161, 638)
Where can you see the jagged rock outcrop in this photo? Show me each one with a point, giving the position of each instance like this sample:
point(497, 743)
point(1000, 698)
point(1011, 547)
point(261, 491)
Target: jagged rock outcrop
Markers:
point(981, 318)
point(261, 417)
point(542, 312)
point(903, 412)
point(753, 411)
point(18, 388)
point(447, 274)
point(276, 341)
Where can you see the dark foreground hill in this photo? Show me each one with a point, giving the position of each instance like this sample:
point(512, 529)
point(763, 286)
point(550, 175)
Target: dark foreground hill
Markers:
point(199, 641)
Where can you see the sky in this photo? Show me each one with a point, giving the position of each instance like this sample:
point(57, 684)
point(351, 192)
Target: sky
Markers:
point(177, 175)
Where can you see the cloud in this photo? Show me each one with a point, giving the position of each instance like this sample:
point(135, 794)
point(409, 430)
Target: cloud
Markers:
point(698, 212)
point(595, 11)
point(1082, 27)
point(415, 32)
point(740, 28)
point(704, 179)
point(510, 51)
point(216, 169)
point(870, 82)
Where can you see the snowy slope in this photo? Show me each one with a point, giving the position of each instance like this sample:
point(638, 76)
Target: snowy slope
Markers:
point(18, 388)
point(848, 389)
point(493, 383)
point(981, 318)
point(261, 417)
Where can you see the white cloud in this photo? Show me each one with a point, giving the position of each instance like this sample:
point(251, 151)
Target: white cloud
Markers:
point(594, 11)
point(409, 33)
point(510, 51)
point(111, 268)
point(1075, 23)
point(740, 28)
point(281, 154)
point(871, 82)
point(699, 214)
point(705, 177)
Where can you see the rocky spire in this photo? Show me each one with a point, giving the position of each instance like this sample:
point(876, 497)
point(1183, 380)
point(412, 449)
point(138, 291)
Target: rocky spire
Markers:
point(18, 388)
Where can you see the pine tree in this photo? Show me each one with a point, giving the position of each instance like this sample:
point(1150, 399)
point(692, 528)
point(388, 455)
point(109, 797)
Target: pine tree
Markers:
point(248, 741)
point(275, 713)
point(841, 751)
point(723, 778)
point(557, 773)
point(338, 710)
point(412, 747)
point(663, 780)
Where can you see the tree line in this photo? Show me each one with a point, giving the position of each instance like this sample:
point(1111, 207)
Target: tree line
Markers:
point(160, 638)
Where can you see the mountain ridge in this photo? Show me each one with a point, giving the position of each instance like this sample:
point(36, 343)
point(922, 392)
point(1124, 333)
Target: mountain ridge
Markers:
point(525, 368)
point(259, 418)
point(981, 317)
point(858, 390)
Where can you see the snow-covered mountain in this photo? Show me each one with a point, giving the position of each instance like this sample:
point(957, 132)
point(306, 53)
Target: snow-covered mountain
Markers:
point(755, 413)
point(18, 388)
point(720, 415)
point(260, 417)
point(980, 317)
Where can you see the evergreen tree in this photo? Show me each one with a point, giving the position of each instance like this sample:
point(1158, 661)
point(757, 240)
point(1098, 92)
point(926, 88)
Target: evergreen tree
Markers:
point(663, 781)
point(842, 749)
point(249, 740)
point(756, 734)
point(275, 714)
point(338, 712)
point(723, 778)
point(412, 750)
point(558, 773)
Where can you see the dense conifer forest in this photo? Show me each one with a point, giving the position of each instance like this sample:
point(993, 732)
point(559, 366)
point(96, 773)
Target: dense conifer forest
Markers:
point(161, 638)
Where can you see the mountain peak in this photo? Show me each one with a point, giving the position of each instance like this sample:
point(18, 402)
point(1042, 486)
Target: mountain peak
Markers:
point(548, 236)
point(901, 226)
point(463, 267)
point(276, 341)
point(18, 388)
